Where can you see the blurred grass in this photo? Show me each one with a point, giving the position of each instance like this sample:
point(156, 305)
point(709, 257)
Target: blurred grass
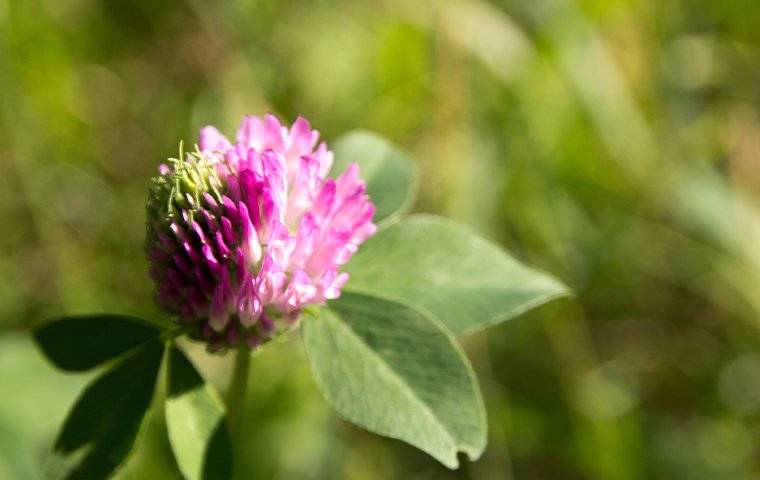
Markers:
point(615, 143)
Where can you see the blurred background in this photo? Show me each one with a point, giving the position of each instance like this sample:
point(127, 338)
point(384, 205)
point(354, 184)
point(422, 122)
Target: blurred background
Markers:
point(614, 143)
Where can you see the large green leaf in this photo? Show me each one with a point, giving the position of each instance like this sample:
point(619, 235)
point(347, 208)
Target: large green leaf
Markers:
point(393, 371)
point(102, 427)
point(83, 342)
point(390, 175)
point(195, 419)
point(440, 267)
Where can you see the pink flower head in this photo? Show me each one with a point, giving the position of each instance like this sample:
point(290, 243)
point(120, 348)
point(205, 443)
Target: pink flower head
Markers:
point(243, 235)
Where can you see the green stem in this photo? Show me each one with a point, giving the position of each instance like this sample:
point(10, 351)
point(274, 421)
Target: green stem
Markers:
point(235, 401)
point(238, 384)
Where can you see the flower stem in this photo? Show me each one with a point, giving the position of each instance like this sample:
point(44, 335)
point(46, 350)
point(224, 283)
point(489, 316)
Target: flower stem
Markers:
point(238, 384)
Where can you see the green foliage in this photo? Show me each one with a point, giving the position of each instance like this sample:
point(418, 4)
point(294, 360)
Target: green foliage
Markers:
point(393, 371)
point(84, 342)
point(196, 422)
point(390, 175)
point(613, 141)
point(379, 354)
point(443, 269)
point(383, 354)
point(101, 429)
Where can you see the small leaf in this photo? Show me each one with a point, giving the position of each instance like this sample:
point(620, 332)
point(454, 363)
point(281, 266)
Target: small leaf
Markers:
point(395, 372)
point(389, 173)
point(440, 267)
point(195, 418)
point(83, 342)
point(102, 427)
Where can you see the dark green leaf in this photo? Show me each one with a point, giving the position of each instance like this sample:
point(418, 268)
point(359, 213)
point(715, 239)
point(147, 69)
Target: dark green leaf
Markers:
point(393, 371)
point(102, 427)
point(195, 418)
point(388, 171)
point(440, 267)
point(83, 342)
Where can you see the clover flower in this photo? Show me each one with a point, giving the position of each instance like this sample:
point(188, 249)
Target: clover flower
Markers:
point(242, 236)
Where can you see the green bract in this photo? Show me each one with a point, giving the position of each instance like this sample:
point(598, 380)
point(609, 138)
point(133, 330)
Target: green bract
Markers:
point(189, 177)
point(384, 354)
